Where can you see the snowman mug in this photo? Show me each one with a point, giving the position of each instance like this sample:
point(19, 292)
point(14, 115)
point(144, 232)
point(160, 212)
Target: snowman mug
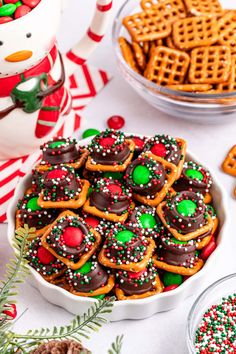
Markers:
point(34, 95)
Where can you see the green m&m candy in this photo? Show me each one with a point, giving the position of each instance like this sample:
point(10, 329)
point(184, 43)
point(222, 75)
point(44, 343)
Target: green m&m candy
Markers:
point(56, 144)
point(194, 174)
point(89, 191)
point(85, 269)
point(33, 204)
point(124, 236)
point(178, 242)
point(186, 208)
point(114, 175)
point(90, 132)
point(7, 10)
point(100, 297)
point(141, 175)
point(148, 221)
point(18, 3)
point(172, 278)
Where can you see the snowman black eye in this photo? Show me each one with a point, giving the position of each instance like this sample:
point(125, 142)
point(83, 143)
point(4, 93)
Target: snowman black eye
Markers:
point(1, 43)
point(28, 35)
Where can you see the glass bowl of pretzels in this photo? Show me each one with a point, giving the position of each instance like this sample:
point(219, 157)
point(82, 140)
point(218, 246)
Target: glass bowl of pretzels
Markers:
point(180, 56)
point(135, 217)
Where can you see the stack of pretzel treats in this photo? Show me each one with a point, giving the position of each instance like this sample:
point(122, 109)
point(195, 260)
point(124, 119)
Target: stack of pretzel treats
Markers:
point(185, 45)
point(125, 215)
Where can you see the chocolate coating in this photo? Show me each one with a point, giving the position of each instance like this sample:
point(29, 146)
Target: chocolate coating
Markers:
point(113, 154)
point(66, 152)
point(105, 200)
point(66, 187)
point(36, 175)
point(38, 218)
point(156, 182)
point(136, 283)
point(172, 153)
point(90, 281)
point(177, 253)
point(193, 184)
point(185, 224)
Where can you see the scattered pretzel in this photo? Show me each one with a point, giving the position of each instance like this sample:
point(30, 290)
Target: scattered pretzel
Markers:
point(170, 179)
point(203, 7)
point(74, 203)
point(132, 267)
point(128, 53)
point(100, 291)
point(191, 235)
point(112, 168)
point(139, 55)
point(71, 264)
point(229, 164)
point(158, 288)
point(179, 270)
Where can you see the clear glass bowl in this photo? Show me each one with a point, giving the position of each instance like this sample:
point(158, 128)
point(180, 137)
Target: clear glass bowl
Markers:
point(212, 295)
point(200, 108)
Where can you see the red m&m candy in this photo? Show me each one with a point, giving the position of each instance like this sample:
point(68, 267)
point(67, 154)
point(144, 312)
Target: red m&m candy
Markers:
point(54, 174)
point(5, 19)
point(92, 221)
point(22, 11)
point(170, 287)
point(136, 275)
point(31, 3)
point(115, 122)
point(73, 236)
point(12, 312)
point(209, 249)
point(10, 1)
point(106, 142)
point(159, 150)
point(44, 256)
point(114, 188)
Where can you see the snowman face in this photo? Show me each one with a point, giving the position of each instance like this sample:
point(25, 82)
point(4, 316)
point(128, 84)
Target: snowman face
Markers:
point(26, 41)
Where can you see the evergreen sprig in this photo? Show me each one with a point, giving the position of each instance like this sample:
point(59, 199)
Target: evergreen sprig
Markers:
point(81, 326)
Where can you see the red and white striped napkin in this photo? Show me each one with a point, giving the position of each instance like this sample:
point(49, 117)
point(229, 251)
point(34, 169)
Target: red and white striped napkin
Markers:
point(85, 85)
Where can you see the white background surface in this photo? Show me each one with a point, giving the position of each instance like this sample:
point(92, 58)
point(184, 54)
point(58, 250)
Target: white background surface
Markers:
point(164, 333)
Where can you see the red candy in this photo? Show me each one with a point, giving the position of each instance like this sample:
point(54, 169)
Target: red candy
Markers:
point(170, 287)
point(159, 150)
point(136, 275)
point(116, 122)
point(11, 313)
point(10, 1)
point(138, 142)
point(56, 174)
point(5, 19)
point(73, 236)
point(44, 256)
point(22, 11)
point(31, 3)
point(91, 221)
point(106, 142)
point(114, 188)
point(209, 249)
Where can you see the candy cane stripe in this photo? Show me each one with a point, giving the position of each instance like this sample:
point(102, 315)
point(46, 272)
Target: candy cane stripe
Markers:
point(95, 37)
point(104, 8)
point(77, 60)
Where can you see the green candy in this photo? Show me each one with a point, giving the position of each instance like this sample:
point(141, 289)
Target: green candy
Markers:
point(100, 297)
point(147, 221)
point(56, 144)
point(89, 191)
point(194, 174)
point(141, 175)
point(124, 236)
point(177, 242)
point(7, 10)
point(33, 204)
point(18, 3)
point(186, 208)
point(113, 175)
point(90, 132)
point(85, 269)
point(171, 279)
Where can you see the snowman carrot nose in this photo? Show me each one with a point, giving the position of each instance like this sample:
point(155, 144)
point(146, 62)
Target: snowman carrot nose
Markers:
point(19, 56)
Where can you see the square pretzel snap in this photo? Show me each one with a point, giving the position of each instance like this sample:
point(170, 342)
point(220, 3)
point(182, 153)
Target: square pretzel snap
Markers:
point(194, 32)
point(210, 65)
point(229, 164)
point(230, 85)
point(167, 66)
point(203, 7)
point(143, 26)
point(227, 30)
point(171, 10)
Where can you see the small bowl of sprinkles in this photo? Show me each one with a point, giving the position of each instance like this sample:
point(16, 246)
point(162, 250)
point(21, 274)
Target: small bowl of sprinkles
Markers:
point(211, 325)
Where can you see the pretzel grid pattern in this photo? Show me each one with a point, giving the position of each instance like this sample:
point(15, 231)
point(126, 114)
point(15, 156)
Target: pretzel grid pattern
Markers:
point(229, 164)
point(210, 65)
point(194, 32)
point(203, 7)
point(227, 30)
point(171, 10)
point(230, 85)
point(146, 27)
point(167, 66)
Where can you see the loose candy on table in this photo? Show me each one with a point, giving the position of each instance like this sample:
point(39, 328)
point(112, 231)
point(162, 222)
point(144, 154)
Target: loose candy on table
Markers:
point(116, 122)
point(11, 312)
point(90, 132)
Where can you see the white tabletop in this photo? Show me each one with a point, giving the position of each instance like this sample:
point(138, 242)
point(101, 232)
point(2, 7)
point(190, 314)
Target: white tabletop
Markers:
point(164, 333)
